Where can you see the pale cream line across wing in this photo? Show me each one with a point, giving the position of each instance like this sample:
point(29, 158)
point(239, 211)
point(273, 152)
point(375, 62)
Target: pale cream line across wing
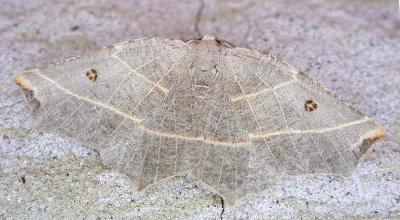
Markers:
point(200, 138)
point(249, 95)
point(321, 130)
point(83, 98)
point(191, 138)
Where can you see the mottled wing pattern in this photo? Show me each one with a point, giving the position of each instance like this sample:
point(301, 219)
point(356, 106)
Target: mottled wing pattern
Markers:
point(237, 119)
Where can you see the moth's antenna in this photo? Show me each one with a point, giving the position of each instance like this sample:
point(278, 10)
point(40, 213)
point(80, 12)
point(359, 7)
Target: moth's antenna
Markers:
point(198, 18)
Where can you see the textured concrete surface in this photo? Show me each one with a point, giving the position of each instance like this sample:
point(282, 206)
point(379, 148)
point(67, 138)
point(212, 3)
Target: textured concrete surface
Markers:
point(353, 48)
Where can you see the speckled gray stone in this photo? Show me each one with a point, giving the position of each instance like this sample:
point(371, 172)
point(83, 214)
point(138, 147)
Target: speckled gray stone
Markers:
point(352, 48)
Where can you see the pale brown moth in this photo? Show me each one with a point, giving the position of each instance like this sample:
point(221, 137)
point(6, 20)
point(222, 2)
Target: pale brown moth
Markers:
point(235, 118)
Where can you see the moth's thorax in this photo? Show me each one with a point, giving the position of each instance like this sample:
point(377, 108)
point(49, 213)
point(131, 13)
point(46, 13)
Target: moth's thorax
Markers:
point(204, 73)
point(205, 63)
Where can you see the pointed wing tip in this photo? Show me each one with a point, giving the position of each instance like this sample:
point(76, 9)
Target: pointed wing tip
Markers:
point(28, 90)
point(21, 82)
point(369, 138)
point(20, 79)
point(376, 134)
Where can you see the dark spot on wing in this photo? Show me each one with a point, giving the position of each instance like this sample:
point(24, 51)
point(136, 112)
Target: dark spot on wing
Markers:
point(91, 74)
point(310, 105)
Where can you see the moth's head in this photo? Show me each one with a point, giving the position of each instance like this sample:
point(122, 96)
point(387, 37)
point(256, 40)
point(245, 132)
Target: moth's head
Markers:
point(210, 41)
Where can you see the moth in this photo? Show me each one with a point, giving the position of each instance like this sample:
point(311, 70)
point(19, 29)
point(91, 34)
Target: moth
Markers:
point(235, 118)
